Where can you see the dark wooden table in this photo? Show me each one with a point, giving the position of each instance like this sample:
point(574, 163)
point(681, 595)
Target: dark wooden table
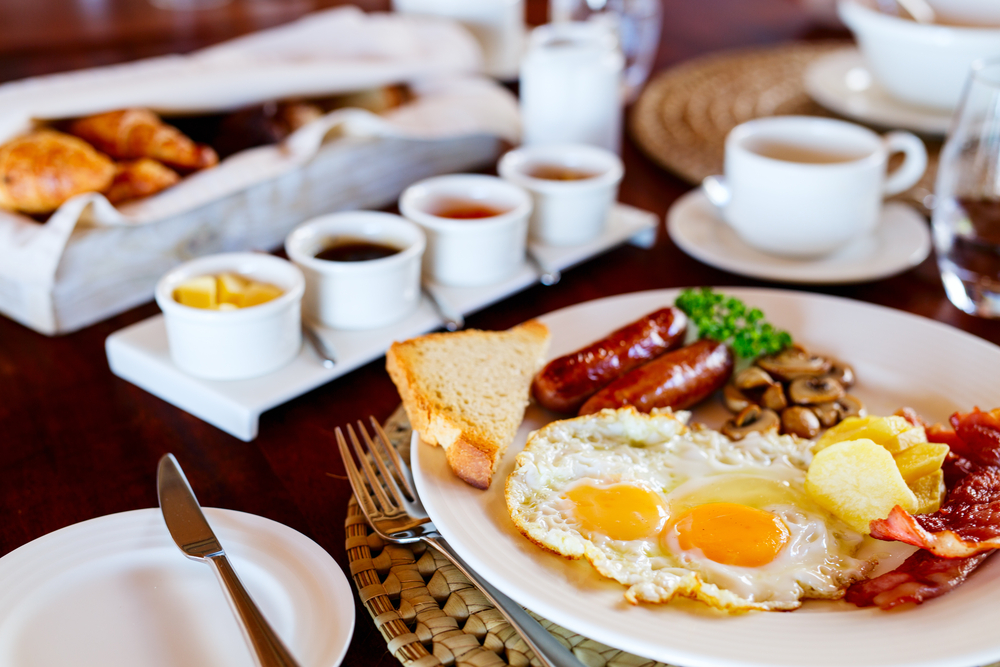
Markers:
point(76, 442)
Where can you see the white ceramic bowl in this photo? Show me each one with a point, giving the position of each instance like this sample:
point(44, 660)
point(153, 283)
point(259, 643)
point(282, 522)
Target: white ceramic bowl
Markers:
point(925, 65)
point(967, 12)
point(234, 344)
point(566, 212)
point(470, 252)
point(364, 294)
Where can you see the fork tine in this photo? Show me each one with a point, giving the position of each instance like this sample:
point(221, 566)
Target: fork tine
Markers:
point(401, 469)
point(357, 482)
point(389, 480)
point(387, 506)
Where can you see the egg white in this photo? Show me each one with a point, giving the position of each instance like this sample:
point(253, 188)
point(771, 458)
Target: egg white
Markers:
point(684, 467)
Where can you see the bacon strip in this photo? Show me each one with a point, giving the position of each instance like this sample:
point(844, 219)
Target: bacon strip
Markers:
point(956, 538)
point(967, 523)
point(977, 436)
point(921, 577)
point(902, 527)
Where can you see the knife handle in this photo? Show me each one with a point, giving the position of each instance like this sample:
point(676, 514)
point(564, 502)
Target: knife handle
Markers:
point(265, 645)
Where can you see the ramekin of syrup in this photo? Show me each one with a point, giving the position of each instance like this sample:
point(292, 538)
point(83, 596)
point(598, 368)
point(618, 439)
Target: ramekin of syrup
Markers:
point(476, 225)
point(573, 188)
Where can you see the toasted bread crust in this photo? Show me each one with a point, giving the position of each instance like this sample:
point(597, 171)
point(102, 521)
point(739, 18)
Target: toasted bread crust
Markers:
point(471, 463)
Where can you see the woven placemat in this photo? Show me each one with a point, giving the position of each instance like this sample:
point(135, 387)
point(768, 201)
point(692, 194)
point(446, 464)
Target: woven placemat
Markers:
point(431, 615)
point(683, 116)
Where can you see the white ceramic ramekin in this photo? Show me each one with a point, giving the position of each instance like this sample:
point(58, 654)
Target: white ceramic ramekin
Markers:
point(470, 252)
point(566, 212)
point(923, 64)
point(359, 295)
point(234, 344)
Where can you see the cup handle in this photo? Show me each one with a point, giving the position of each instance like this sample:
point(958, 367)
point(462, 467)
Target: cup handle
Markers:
point(914, 165)
point(717, 191)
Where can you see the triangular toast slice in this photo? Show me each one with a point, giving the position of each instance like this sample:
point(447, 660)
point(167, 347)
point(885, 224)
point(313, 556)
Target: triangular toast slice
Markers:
point(467, 391)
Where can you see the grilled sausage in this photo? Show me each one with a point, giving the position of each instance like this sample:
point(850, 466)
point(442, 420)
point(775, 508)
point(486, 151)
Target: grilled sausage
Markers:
point(565, 383)
point(677, 380)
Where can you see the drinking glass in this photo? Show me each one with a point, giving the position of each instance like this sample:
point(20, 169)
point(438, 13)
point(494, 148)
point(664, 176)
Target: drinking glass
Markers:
point(637, 24)
point(966, 220)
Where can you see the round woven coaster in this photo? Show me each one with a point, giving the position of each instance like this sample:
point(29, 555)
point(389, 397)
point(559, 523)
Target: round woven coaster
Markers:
point(431, 615)
point(683, 116)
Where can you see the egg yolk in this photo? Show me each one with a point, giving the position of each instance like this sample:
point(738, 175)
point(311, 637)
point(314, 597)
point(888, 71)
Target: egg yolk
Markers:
point(732, 534)
point(621, 511)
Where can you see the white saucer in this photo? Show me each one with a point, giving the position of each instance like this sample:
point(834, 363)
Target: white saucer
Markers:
point(842, 83)
point(903, 240)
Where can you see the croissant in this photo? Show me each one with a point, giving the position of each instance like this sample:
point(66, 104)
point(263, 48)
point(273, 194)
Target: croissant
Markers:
point(135, 133)
point(140, 178)
point(41, 170)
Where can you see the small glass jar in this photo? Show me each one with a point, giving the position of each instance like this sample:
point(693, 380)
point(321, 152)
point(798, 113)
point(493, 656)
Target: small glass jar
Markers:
point(571, 86)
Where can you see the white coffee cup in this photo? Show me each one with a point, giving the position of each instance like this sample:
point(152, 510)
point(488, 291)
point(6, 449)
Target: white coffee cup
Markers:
point(573, 187)
point(471, 251)
point(358, 294)
point(804, 186)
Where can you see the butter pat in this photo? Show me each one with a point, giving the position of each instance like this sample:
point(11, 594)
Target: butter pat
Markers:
point(226, 291)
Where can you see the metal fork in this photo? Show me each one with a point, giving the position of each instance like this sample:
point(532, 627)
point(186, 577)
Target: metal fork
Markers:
point(389, 501)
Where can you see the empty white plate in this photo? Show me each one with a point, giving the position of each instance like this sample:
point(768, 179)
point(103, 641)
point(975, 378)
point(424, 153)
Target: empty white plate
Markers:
point(117, 592)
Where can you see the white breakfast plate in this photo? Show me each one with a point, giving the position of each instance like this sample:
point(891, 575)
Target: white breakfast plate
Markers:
point(841, 82)
point(117, 592)
point(900, 359)
point(902, 241)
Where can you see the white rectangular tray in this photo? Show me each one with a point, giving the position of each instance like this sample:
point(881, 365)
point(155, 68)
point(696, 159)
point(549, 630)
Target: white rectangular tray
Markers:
point(139, 353)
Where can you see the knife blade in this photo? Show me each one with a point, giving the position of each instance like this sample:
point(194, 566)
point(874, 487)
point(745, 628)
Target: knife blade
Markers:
point(194, 537)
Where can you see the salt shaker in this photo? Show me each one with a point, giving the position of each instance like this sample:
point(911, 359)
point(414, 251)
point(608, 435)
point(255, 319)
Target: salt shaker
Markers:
point(571, 86)
point(498, 26)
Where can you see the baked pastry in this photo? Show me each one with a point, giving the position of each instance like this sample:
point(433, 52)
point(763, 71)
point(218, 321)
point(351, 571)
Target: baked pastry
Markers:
point(128, 134)
point(467, 391)
point(140, 178)
point(42, 169)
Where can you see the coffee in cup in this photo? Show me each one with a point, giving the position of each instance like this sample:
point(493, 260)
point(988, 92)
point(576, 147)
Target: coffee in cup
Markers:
point(362, 268)
point(804, 186)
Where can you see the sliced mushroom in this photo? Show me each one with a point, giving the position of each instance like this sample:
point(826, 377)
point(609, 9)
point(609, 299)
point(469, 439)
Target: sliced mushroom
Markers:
point(800, 420)
point(851, 407)
point(828, 413)
point(842, 373)
point(811, 390)
point(735, 399)
point(752, 419)
point(773, 398)
point(793, 362)
point(753, 377)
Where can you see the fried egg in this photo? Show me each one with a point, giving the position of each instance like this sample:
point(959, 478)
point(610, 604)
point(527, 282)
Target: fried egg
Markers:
point(672, 511)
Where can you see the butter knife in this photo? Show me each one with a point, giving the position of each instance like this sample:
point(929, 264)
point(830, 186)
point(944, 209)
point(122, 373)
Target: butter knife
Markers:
point(192, 534)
